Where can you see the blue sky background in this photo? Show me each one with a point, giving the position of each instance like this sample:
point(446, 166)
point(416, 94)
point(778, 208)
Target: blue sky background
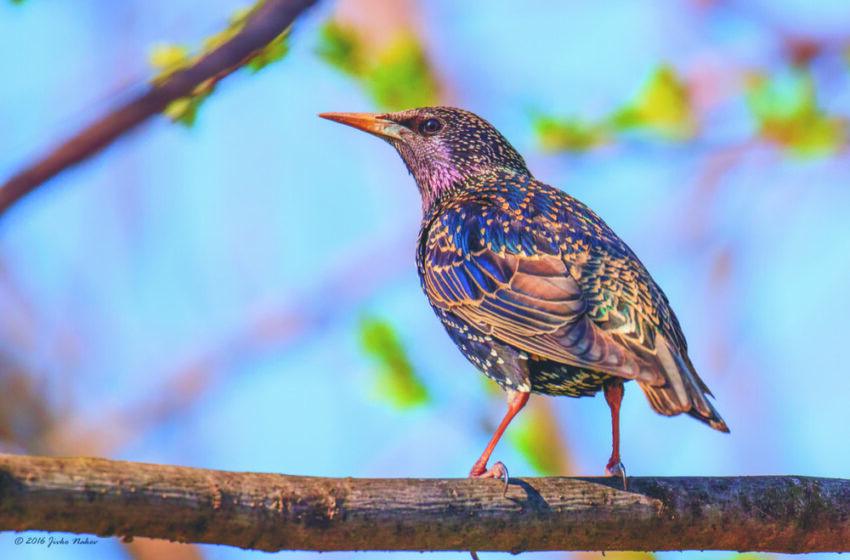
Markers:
point(192, 296)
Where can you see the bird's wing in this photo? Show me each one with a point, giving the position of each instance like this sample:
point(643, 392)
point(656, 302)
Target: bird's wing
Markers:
point(535, 268)
point(509, 278)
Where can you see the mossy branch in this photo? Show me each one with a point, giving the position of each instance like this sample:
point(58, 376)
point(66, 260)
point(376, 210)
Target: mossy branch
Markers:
point(265, 24)
point(276, 512)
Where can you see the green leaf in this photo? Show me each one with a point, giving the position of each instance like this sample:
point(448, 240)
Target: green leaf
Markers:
point(185, 109)
point(786, 110)
point(662, 107)
point(397, 76)
point(168, 58)
point(402, 77)
point(568, 134)
point(397, 382)
point(340, 47)
point(272, 52)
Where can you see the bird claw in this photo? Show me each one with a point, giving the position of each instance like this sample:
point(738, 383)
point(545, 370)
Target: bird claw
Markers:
point(498, 470)
point(617, 469)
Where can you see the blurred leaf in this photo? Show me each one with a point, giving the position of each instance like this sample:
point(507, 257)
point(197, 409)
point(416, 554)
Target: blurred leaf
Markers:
point(535, 434)
point(787, 113)
point(340, 47)
point(185, 109)
point(568, 134)
point(272, 52)
point(402, 77)
point(168, 59)
point(397, 381)
point(751, 556)
point(396, 77)
point(662, 107)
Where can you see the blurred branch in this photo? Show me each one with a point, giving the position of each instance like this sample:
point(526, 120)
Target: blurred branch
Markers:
point(695, 219)
point(275, 512)
point(265, 24)
point(274, 330)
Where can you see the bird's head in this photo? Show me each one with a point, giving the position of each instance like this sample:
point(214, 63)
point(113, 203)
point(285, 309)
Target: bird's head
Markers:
point(442, 146)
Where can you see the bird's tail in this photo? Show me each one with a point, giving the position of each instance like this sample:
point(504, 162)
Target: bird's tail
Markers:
point(683, 390)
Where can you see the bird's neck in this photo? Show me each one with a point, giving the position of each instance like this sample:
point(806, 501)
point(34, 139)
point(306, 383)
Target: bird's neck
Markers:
point(438, 184)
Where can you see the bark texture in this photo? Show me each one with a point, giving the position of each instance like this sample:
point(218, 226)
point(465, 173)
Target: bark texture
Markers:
point(278, 512)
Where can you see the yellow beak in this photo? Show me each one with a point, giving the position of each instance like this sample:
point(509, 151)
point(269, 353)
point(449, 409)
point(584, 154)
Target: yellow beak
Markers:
point(373, 123)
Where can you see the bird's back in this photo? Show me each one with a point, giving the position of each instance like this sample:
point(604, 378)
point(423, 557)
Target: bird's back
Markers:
point(523, 274)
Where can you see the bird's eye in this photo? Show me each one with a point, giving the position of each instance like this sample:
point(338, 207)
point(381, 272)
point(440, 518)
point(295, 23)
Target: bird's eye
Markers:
point(430, 126)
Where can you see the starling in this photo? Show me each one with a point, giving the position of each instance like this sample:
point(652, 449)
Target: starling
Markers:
point(532, 286)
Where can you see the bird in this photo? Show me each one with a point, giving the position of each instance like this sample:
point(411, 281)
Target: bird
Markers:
point(533, 287)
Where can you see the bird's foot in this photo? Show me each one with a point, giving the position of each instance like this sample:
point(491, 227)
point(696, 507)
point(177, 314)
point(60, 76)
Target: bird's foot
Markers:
point(498, 470)
point(616, 469)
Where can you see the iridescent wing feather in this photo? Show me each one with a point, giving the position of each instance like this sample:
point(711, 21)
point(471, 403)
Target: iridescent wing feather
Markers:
point(538, 270)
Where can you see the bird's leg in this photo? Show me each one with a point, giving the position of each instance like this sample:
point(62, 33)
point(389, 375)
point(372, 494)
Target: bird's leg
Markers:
point(614, 396)
point(516, 400)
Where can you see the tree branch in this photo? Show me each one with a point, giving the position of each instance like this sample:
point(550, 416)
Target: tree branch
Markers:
point(274, 512)
point(265, 24)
